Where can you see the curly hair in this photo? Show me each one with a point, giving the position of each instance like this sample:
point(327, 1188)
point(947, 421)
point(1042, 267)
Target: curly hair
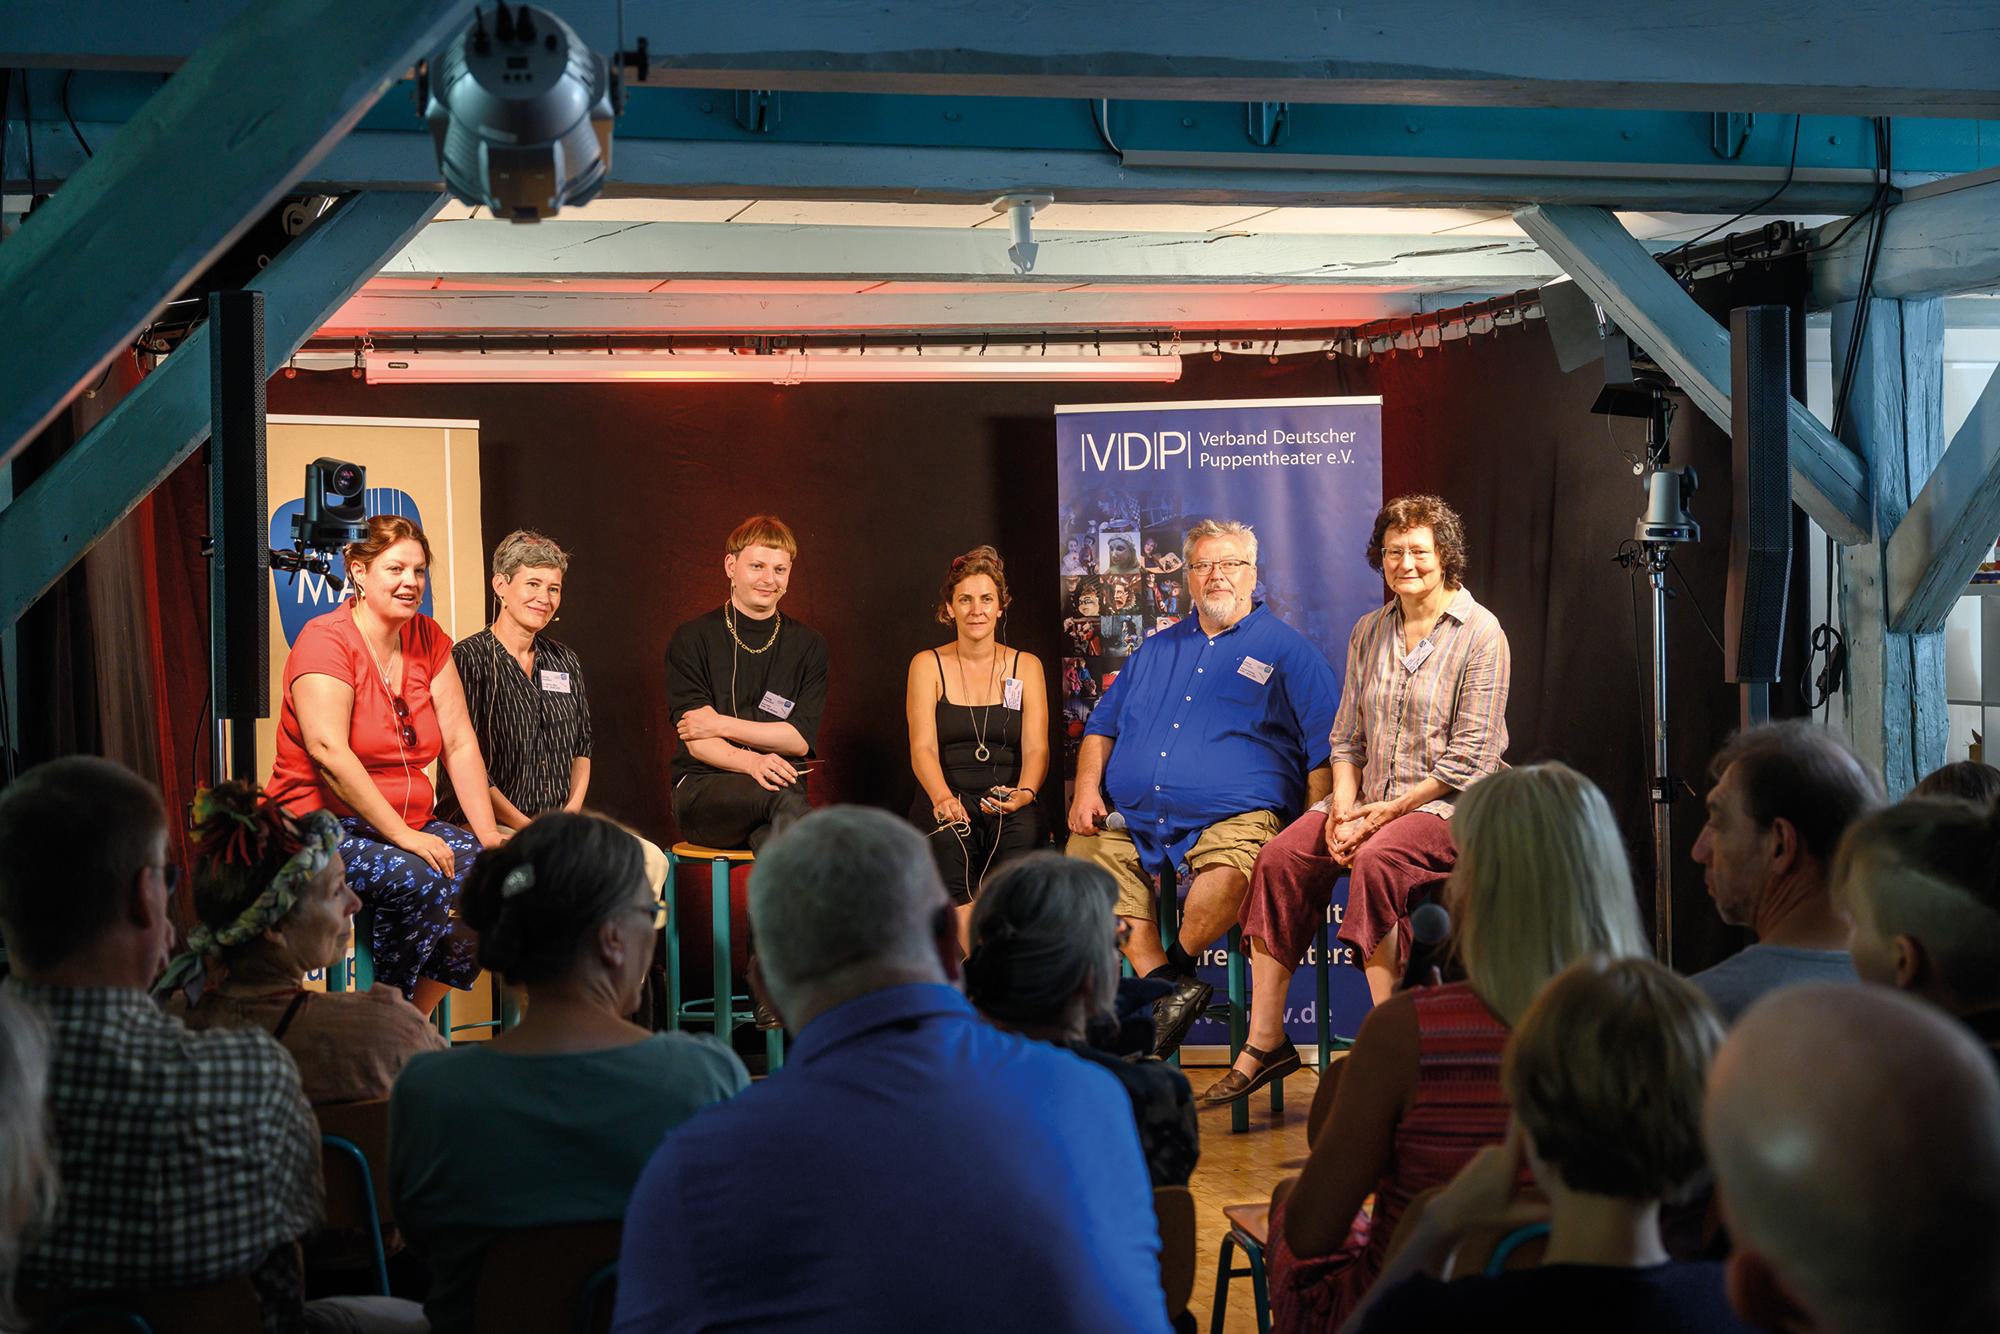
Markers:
point(980, 560)
point(1421, 511)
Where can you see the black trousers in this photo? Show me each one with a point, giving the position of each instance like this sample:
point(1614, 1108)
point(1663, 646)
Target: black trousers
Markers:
point(965, 859)
point(734, 810)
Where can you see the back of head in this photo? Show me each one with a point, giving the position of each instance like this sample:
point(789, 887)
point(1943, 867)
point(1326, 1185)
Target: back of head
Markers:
point(1929, 868)
point(1968, 780)
point(74, 833)
point(843, 902)
point(1542, 880)
point(27, 1167)
point(1855, 1134)
point(1803, 773)
point(1043, 930)
point(241, 840)
point(537, 900)
point(1606, 1071)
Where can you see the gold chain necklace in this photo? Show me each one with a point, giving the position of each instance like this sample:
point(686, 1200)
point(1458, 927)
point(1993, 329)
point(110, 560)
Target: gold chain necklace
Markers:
point(729, 621)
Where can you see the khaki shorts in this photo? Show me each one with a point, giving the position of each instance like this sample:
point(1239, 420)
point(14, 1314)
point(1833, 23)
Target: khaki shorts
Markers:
point(1233, 842)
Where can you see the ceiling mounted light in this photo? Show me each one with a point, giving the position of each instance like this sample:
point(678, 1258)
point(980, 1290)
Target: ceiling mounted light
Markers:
point(522, 111)
point(827, 365)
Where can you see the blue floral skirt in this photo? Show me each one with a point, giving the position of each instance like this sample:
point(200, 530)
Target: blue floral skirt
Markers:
point(417, 932)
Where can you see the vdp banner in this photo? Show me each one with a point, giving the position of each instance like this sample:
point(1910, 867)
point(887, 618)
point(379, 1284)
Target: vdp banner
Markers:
point(1305, 473)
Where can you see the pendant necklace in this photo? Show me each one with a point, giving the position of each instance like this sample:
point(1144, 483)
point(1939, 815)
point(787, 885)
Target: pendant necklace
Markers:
point(979, 720)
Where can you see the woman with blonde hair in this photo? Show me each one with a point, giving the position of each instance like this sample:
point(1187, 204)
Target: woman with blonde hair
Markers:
point(1541, 881)
point(978, 715)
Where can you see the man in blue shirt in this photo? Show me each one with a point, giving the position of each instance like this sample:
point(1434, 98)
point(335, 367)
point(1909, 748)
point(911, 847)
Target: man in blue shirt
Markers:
point(1212, 739)
point(911, 1167)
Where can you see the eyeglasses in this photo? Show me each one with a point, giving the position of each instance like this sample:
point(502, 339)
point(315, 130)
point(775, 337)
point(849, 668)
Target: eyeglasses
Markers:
point(403, 716)
point(1231, 568)
point(170, 876)
point(1394, 555)
point(656, 911)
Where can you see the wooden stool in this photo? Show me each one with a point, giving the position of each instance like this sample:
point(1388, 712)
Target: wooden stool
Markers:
point(720, 1011)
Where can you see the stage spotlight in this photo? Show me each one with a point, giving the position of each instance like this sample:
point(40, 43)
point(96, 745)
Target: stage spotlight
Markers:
point(521, 110)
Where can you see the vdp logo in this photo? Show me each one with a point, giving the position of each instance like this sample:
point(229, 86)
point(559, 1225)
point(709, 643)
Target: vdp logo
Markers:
point(303, 595)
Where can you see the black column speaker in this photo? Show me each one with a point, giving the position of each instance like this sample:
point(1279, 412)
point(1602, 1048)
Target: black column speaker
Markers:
point(1760, 529)
point(239, 569)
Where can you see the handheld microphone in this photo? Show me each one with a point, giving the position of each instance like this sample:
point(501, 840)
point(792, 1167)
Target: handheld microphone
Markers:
point(1430, 945)
point(1114, 820)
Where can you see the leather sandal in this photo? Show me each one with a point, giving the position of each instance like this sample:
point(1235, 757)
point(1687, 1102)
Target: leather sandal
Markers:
point(1234, 1084)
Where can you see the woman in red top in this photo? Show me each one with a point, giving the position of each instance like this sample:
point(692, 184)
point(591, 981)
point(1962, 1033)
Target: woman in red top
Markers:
point(371, 700)
point(1541, 881)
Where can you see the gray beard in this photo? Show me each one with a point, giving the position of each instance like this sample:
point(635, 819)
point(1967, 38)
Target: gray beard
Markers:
point(1220, 607)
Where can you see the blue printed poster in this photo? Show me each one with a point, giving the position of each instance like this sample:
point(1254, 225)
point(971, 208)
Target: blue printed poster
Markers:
point(1305, 473)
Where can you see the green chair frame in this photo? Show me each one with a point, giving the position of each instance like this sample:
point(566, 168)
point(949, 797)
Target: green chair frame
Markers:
point(727, 1010)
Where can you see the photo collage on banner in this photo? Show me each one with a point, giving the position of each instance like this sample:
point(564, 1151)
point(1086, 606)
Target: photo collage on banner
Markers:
point(1305, 474)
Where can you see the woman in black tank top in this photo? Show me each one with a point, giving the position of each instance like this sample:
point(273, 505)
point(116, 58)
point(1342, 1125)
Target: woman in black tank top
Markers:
point(979, 721)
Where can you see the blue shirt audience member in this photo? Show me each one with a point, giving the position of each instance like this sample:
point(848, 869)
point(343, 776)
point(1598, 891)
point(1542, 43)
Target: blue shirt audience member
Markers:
point(910, 1168)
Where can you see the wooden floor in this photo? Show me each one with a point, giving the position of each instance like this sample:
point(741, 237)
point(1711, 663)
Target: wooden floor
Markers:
point(1241, 1169)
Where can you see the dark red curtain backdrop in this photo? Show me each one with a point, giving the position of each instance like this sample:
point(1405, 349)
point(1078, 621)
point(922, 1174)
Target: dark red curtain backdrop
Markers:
point(885, 483)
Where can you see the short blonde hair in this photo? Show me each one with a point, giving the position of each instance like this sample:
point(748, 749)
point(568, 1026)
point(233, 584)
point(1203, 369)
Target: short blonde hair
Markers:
point(1208, 528)
point(763, 530)
point(1541, 880)
point(1606, 1071)
point(524, 549)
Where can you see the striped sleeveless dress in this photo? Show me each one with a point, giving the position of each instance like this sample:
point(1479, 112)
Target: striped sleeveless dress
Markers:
point(1457, 1110)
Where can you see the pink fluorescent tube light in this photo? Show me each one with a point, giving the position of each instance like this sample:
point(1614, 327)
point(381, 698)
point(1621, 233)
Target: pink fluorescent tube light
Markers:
point(880, 365)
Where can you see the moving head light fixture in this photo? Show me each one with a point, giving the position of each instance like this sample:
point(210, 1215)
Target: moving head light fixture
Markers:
point(521, 110)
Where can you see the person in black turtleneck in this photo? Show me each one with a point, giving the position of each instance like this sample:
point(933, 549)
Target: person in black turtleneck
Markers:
point(746, 686)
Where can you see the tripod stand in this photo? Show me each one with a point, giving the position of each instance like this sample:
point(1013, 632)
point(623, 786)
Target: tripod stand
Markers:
point(1664, 526)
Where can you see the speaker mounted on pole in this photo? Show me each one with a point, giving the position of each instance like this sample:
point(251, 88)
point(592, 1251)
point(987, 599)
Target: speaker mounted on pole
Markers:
point(239, 567)
point(1760, 528)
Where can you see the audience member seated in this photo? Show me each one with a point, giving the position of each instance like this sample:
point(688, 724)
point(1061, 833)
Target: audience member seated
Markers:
point(1968, 780)
point(274, 906)
point(1855, 1135)
point(1605, 1072)
point(1044, 964)
point(185, 1157)
point(27, 1165)
point(1783, 794)
point(1541, 881)
point(911, 1167)
point(1919, 881)
point(551, 1121)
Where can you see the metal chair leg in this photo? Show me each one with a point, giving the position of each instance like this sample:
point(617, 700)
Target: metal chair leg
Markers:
point(1239, 1111)
point(673, 946)
point(725, 985)
point(1218, 1310)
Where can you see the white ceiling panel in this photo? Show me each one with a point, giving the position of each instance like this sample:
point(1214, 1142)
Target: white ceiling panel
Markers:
point(840, 213)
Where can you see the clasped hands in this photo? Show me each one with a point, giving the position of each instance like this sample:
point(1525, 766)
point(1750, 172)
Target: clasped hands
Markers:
point(1347, 831)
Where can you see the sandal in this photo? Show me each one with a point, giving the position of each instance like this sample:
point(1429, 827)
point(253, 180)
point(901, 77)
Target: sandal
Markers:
point(1234, 1084)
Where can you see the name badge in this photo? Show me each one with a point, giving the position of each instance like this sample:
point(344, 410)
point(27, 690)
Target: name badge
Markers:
point(1010, 693)
point(1260, 672)
point(776, 705)
point(556, 681)
point(1415, 657)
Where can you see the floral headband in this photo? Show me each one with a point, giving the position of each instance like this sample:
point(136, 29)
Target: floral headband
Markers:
point(197, 968)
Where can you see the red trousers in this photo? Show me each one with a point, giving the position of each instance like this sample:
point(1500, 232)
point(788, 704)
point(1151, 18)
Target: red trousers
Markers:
point(1292, 883)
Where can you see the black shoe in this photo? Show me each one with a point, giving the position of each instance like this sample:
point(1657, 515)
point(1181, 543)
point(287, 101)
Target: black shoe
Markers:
point(1175, 1014)
point(1274, 1064)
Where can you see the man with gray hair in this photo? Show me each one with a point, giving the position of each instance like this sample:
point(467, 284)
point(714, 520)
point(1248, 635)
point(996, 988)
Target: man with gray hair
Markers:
point(1783, 795)
point(1213, 737)
point(1855, 1135)
point(911, 1167)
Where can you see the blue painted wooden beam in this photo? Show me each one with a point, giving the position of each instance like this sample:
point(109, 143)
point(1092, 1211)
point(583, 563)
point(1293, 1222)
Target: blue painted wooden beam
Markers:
point(211, 151)
point(1950, 526)
point(49, 526)
point(1829, 481)
point(1928, 57)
